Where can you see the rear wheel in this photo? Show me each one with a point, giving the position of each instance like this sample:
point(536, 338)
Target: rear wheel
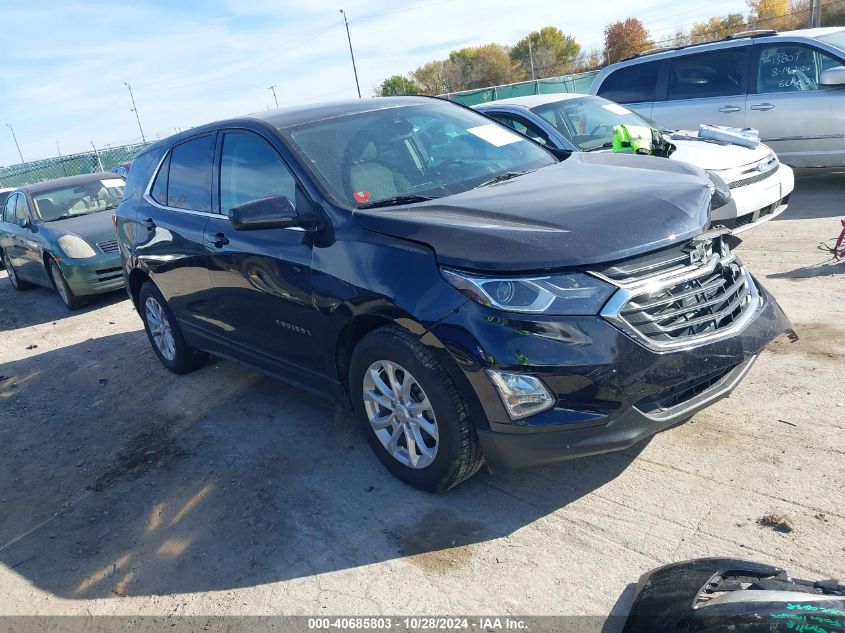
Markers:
point(71, 301)
point(164, 333)
point(17, 283)
point(410, 409)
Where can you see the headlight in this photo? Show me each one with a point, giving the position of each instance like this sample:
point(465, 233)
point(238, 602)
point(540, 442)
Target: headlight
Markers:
point(721, 192)
point(559, 294)
point(75, 247)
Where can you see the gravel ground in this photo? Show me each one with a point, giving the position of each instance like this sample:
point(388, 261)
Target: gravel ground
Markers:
point(128, 490)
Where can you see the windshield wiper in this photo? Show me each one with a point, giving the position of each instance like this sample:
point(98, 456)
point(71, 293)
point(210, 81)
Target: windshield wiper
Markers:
point(506, 176)
point(607, 145)
point(396, 200)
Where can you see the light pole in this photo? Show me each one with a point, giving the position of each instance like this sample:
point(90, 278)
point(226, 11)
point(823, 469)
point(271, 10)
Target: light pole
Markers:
point(135, 110)
point(351, 54)
point(273, 90)
point(8, 125)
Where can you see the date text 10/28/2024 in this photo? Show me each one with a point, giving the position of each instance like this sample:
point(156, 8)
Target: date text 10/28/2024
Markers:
point(421, 623)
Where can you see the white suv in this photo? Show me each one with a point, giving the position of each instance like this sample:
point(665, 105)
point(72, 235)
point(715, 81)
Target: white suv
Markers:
point(790, 86)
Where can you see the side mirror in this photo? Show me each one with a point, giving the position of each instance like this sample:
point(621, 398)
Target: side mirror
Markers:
point(833, 76)
point(24, 223)
point(275, 212)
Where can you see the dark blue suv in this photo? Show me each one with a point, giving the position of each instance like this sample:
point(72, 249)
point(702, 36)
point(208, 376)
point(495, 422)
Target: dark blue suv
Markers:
point(476, 297)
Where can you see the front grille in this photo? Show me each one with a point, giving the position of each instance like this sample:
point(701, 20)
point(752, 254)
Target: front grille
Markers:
point(684, 393)
point(108, 274)
point(756, 178)
point(109, 246)
point(697, 303)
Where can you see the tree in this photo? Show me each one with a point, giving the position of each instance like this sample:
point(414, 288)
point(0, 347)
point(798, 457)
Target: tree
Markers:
point(624, 39)
point(553, 52)
point(397, 85)
point(770, 14)
point(717, 28)
point(492, 65)
point(431, 78)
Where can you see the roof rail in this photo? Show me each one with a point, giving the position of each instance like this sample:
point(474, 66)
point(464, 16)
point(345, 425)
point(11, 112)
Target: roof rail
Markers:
point(755, 33)
point(653, 51)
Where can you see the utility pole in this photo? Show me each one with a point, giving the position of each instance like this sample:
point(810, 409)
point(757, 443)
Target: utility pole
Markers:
point(135, 110)
point(273, 90)
point(811, 14)
point(58, 148)
point(97, 154)
point(531, 57)
point(16, 141)
point(351, 54)
point(818, 13)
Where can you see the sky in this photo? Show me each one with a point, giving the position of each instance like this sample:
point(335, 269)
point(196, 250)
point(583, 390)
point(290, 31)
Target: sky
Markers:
point(64, 64)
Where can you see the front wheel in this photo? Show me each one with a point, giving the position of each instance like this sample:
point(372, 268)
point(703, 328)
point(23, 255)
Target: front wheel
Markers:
point(165, 334)
point(71, 301)
point(410, 409)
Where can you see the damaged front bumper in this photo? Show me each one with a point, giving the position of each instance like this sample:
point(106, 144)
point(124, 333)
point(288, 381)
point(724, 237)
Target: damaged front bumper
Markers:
point(727, 594)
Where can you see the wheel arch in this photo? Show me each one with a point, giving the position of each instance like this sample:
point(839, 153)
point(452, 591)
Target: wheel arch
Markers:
point(135, 280)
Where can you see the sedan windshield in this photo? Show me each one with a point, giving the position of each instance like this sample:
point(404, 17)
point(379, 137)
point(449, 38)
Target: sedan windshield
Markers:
point(588, 122)
point(89, 197)
point(406, 154)
point(837, 39)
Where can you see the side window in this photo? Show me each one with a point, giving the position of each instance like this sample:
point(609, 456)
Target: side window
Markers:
point(523, 126)
point(158, 192)
point(251, 169)
point(631, 84)
point(189, 178)
point(21, 208)
point(9, 214)
point(717, 74)
point(791, 68)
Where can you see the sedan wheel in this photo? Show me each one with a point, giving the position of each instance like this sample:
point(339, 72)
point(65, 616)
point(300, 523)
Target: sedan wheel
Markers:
point(400, 413)
point(160, 330)
point(71, 301)
point(17, 283)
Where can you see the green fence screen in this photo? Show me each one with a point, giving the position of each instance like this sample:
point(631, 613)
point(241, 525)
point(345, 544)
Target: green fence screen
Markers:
point(71, 165)
point(567, 83)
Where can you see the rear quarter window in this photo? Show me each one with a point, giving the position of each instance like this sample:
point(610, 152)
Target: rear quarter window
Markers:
point(631, 84)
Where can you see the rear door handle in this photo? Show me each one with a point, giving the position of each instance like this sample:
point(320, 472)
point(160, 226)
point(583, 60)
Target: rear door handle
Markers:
point(730, 108)
point(763, 106)
point(149, 224)
point(219, 240)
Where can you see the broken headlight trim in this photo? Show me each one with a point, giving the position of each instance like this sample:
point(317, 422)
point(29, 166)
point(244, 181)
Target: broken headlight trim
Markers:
point(560, 294)
point(721, 194)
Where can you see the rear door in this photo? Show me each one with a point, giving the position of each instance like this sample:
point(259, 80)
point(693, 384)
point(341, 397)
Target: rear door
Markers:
point(262, 278)
point(29, 250)
point(706, 88)
point(169, 233)
point(635, 85)
point(10, 230)
point(803, 121)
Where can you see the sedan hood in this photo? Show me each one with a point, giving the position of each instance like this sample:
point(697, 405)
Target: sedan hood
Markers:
point(708, 155)
point(93, 228)
point(590, 208)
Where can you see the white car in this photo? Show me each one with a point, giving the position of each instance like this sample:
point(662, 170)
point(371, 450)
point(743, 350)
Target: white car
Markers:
point(760, 185)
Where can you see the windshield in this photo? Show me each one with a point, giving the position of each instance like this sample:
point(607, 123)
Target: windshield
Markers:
point(588, 122)
point(89, 197)
point(836, 39)
point(406, 154)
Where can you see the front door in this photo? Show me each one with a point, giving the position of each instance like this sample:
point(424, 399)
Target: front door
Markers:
point(803, 121)
point(262, 278)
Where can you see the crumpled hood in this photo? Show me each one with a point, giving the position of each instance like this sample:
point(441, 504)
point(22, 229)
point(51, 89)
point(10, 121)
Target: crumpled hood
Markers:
point(716, 156)
point(590, 208)
point(93, 228)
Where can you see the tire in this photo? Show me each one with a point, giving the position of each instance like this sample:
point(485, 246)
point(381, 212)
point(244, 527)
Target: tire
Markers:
point(71, 301)
point(164, 333)
point(450, 456)
point(17, 283)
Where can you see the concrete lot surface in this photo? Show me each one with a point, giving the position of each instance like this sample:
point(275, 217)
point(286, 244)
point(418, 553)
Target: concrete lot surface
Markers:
point(128, 490)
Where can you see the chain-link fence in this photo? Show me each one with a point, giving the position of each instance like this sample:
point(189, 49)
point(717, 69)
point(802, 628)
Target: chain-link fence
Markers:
point(70, 165)
point(567, 83)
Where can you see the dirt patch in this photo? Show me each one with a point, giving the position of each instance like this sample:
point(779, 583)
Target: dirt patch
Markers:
point(778, 522)
point(155, 448)
point(815, 340)
point(438, 542)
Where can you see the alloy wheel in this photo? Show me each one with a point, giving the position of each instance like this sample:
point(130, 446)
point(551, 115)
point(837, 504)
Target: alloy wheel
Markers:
point(400, 414)
point(160, 329)
point(9, 270)
point(59, 282)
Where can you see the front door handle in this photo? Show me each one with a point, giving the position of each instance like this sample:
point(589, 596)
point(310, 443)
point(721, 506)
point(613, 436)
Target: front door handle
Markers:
point(730, 108)
point(763, 106)
point(149, 224)
point(219, 240)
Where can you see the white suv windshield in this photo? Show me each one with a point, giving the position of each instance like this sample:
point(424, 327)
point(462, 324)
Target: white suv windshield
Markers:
point(588, 122)
point(836, 39)
point(423, 151)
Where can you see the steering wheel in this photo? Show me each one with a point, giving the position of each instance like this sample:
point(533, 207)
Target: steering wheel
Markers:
point(600, 126)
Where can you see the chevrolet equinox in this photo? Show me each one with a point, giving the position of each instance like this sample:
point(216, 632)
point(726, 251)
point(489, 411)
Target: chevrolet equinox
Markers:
point(476, 297)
